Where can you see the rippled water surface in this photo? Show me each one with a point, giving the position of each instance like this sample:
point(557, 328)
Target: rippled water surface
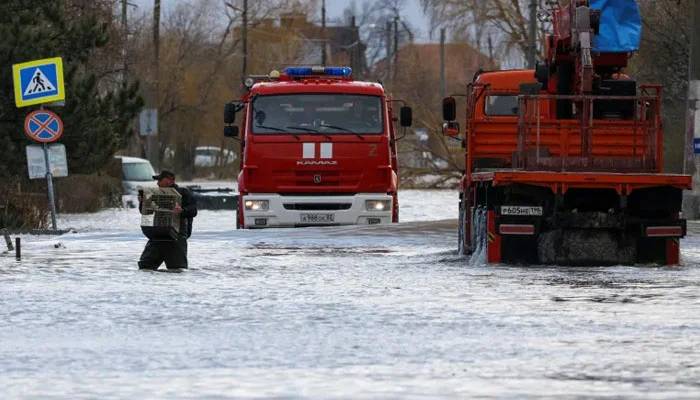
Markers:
point(343, 312)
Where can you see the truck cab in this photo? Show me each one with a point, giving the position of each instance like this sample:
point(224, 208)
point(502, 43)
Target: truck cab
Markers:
point(317, 148)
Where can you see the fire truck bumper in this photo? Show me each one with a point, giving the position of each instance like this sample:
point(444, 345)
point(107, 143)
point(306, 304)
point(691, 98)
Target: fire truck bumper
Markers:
point(274, 210)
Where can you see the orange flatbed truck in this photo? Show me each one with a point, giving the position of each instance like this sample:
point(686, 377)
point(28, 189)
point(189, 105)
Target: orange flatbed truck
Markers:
point(564, 162)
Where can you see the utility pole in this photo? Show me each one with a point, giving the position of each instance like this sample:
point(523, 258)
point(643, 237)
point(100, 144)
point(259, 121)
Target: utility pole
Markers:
point(532, 35)
point(323, 33)
point(490, 42)
point(388, 51)
point(355, 56)
point(396, 46)
point(151, 141)
point(125, 39)
point(692, 159)
point(244, 39)
point(443, 88)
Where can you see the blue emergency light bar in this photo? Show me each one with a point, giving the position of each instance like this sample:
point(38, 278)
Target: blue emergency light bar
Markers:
point(315, 71)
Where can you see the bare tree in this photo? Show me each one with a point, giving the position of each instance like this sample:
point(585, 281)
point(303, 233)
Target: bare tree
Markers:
point(200, 66)
point(376, 22)
point(663, 58)
point(505, 22)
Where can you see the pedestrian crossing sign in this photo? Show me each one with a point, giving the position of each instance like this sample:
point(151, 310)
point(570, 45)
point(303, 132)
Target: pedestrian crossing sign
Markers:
point(39, 81)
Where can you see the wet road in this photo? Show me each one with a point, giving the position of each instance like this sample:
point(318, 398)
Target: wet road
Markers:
point(347, 312)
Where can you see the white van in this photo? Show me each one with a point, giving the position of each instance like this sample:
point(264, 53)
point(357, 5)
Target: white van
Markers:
point(136, 172)
point(212, 156)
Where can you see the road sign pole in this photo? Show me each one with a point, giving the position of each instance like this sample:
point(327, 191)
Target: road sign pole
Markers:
point(49, 184)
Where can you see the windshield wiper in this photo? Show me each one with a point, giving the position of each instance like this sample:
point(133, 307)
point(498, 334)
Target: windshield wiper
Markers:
point(301, 128)
point(340, 128)
point(273, 128)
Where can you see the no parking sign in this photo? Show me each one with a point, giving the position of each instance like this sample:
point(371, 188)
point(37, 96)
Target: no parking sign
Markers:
point(43, 126)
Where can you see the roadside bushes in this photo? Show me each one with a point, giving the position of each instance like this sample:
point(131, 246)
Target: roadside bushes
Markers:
point(22, 207)
point(87, 193)
point(25, 206)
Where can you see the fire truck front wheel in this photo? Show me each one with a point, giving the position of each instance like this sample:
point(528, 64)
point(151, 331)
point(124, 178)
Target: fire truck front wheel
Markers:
point(239, 217)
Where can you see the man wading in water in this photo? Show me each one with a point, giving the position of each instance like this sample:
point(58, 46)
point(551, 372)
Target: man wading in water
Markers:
point(173, 252)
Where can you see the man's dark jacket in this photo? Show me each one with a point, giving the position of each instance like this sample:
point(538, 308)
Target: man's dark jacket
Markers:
point(189, 210)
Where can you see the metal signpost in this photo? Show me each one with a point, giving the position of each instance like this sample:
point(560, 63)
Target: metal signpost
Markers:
point(45, 127)
point(40, 82)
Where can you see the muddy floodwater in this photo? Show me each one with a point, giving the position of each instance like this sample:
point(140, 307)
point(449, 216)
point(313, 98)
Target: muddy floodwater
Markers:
point(339, 312)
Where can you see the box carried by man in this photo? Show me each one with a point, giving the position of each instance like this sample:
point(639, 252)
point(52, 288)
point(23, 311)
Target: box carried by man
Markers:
point(158, 219)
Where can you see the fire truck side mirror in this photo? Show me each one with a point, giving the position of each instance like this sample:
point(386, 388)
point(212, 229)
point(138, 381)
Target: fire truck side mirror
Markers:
point(229, 113)
point(449, 109)
point(406, 116)
point(231, 131)
point(450, 128)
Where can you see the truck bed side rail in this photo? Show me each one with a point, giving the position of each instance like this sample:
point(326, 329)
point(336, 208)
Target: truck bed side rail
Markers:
point(590, 141)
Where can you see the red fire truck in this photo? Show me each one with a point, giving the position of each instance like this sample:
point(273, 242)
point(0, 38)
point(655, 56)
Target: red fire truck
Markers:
point(564, 162)
point(317, 148)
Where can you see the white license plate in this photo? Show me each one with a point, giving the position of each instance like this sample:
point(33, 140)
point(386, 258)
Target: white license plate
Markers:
point(521, 210)
point(317, 218)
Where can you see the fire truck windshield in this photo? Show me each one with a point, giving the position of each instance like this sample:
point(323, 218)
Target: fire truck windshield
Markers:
point(329, 114)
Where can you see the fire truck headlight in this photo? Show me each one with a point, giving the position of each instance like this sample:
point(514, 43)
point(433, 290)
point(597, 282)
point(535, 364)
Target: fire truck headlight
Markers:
point(257, 205)
point(377, 205)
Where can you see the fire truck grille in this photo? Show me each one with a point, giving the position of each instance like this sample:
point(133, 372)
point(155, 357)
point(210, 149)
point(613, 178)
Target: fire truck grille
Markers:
point(317, 206)
point(325, 178)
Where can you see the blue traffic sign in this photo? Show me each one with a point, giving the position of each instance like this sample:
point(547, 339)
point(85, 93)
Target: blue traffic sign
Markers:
point(696, 145)
point(39, 81)
point(43, 126)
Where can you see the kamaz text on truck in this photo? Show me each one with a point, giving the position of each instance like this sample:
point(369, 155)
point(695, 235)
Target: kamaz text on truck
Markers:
point(317, 148)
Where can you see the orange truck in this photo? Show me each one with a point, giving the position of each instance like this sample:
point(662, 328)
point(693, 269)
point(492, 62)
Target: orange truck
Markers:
point(564, 163)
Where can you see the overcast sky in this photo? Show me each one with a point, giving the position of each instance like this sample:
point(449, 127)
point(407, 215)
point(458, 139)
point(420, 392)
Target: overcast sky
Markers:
point(413, 13)
point(334, 9)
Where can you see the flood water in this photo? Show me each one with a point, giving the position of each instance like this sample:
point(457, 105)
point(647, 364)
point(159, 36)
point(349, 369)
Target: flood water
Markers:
point(340, 312)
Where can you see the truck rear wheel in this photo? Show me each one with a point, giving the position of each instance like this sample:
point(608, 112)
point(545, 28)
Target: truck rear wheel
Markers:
point(673, 251)
point(662, 251)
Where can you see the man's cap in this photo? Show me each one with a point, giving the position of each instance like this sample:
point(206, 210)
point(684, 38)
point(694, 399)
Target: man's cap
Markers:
point(164, 174)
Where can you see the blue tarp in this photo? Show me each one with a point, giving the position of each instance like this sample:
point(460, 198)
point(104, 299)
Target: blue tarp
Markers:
point(620, 26)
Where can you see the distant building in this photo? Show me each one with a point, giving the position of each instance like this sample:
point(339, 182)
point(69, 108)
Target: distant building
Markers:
point(293, 39)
